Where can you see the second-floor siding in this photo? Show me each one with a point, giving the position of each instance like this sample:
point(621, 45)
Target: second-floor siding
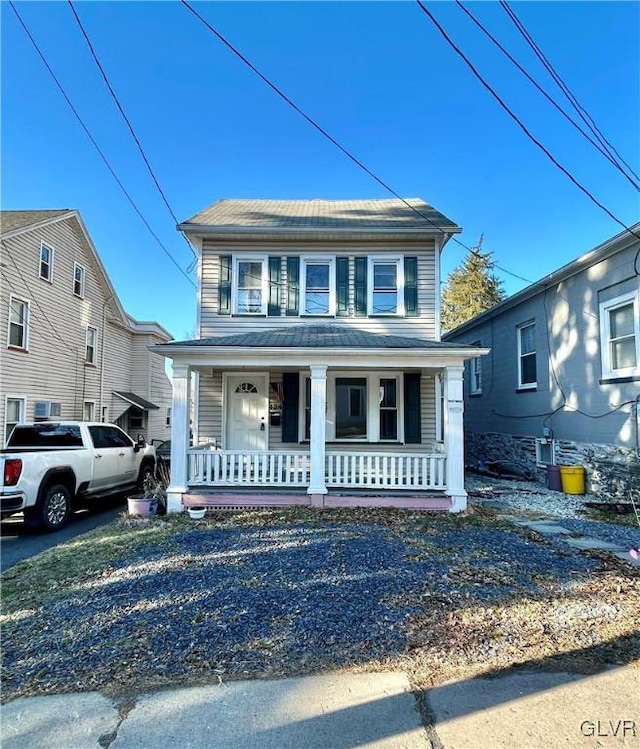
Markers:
point(379, 287)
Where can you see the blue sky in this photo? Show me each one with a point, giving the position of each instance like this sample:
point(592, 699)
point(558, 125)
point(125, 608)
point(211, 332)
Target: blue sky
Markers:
point(377, 76)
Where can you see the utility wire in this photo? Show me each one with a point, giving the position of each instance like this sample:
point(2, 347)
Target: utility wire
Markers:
point(582, 112)
point(127, 121)
point(329, 137)
point(519, 121)
point(97, 147)
point(547, 96)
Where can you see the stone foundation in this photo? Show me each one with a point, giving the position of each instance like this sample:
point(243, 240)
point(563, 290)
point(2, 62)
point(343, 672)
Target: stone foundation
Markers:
point(612, 472)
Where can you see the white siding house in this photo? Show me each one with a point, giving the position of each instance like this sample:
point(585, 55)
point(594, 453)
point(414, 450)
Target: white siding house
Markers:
point(320, 375)
point(70, 350)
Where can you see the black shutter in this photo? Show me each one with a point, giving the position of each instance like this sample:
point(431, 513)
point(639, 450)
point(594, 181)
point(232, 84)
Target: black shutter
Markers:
point(412, 414)
point(290, 398)
point(224, 286)
point(411, 286)
point(342, 285)
point(275, 265)
point(361, 286)
point(293, 285)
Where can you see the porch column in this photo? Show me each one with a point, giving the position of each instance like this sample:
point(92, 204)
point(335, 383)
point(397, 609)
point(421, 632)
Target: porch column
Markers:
point(179, 437)
point(317, 484)
point(454, 437)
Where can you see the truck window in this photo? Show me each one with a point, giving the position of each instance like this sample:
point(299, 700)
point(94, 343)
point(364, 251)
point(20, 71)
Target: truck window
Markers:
point(100, 437)
point(46, 435)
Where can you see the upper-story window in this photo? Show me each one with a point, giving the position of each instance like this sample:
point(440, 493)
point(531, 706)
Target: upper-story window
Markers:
point(250, 289)
point(620, 336)
point(46, 262)
point(78, 280)
point(386, 286)
point(18, 323)
point(318, 286)
point(91, 355)
point(475, 374)
point(527, 377)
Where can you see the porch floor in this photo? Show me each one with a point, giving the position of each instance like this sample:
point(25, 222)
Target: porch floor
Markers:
point(233, 499)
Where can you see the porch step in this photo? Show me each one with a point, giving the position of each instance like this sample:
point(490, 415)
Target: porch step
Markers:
point(255, 501)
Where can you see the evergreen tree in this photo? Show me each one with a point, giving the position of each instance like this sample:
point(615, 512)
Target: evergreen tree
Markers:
point(471, 288)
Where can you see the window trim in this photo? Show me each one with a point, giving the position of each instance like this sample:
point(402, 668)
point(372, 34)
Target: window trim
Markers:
point(540, 441)
point(25, 341)
point(398, 261)
point(91, 403)
point(526, 385)
point(475, 373)
point(22, 416)
point(235, 277)
point(49, 278)
point(606, 307)
point(77, 266)
point(372, 403)
point(94, 360)
point(306, 260)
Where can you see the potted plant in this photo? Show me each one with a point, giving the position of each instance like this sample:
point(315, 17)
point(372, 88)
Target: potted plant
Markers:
point(153, 499)
point(196, 513)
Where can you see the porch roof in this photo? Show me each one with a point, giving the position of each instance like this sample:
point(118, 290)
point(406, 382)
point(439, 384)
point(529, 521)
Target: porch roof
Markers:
point(317, 336)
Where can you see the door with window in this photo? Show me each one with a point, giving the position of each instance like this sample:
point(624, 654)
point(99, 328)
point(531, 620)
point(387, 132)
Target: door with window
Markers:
point(247, 409)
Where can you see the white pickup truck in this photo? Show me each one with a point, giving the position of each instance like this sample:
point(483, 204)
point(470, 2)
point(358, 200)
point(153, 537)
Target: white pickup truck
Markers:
point(50, 468)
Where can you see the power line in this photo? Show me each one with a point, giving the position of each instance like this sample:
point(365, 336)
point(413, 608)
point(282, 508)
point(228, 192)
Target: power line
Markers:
point(547, 96)
point(127, 121)
point(329, 137)
point(582, 112)
point(519, 121)
point(97, 147)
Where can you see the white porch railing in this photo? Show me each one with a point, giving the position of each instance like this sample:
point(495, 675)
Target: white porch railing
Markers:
point(342, 469)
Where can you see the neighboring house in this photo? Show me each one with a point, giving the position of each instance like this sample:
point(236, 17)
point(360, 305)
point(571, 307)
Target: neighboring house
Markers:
point(562, 382)
point(71, 351)
point(318, 363)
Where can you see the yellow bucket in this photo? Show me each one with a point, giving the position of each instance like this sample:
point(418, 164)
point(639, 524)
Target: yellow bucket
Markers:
point(572, 479)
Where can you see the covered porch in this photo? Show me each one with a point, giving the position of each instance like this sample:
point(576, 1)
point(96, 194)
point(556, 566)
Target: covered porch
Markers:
point(358, 419)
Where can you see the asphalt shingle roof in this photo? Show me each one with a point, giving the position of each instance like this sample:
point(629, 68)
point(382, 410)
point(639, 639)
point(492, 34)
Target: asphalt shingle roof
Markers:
point(322, 214)
point(318, 336)
point(12, 220)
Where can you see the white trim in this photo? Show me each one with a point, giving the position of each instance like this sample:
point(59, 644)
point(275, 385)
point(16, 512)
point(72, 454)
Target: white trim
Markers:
point(235, 277)
point(373, 409)
point(226, 400)
point(605, 334)
point(545, 441)
point(398, 261)
point(198, 249)
point(519, 329)
point(475, 374)
point(437, 253)
point(329, 260)
point(27, 303)
point(44, 244)
point(22, 415)
point(94, 360)
point(77, 266)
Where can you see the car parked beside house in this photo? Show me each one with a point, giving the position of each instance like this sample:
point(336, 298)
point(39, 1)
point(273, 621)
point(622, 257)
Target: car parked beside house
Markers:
point(71, 351)
point(562, 382)
point(318, 365)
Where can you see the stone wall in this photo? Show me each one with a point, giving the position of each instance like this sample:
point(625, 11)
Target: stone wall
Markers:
point(611, 471)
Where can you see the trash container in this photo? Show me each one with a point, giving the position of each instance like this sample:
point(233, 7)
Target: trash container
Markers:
point(572, 479)
point(554, 481)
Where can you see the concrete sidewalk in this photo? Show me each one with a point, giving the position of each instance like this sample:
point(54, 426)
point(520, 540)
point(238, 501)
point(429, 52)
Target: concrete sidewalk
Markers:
point(339, 711)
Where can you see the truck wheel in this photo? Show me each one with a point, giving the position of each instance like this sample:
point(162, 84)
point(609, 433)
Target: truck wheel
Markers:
point(54, 509)
point(146, 472)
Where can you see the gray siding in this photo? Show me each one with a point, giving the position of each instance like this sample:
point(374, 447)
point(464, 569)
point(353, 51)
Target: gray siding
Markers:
point(567, 324)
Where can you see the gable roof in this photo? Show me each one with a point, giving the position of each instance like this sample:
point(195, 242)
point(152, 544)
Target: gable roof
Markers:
point(316, 336)
point(11, 221)
point(329, 215)
point(602, 251)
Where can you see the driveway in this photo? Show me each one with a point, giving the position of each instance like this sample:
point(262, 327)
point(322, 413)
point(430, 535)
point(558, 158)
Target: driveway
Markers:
point(19, 542)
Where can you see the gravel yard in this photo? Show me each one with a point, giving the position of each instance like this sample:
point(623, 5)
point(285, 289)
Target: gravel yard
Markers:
point(274, 593)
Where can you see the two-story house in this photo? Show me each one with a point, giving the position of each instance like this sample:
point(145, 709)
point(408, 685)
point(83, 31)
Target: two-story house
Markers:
point(318, 365)
point(71, 351)
point(562, 382)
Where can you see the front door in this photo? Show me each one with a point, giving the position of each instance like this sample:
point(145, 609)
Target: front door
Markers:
point(247, 409)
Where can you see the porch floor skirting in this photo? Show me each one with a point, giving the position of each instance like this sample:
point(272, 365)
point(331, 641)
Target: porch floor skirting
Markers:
point(222, 500)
